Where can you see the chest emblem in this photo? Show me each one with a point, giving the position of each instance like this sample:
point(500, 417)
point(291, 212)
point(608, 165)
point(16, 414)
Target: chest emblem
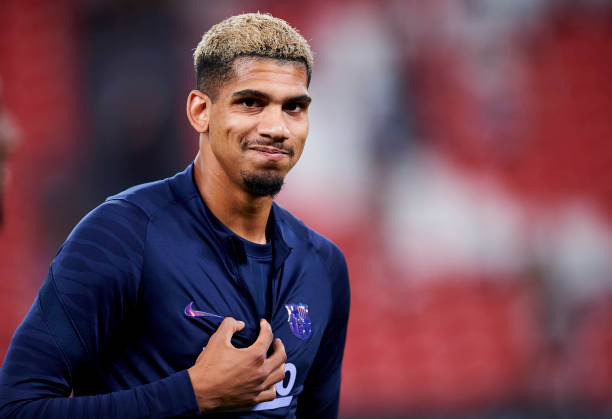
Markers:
point(298, 319)
point(191, 312)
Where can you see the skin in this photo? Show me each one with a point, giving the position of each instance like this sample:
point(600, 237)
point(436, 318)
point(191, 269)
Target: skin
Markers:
point(265, 107)
point(257, 125)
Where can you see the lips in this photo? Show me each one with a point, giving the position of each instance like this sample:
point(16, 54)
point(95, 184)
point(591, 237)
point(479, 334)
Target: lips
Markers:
point(270, 153)
point(268, 149)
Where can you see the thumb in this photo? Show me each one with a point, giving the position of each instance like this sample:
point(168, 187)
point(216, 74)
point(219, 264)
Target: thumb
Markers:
point(265, 336)
point(228, 327)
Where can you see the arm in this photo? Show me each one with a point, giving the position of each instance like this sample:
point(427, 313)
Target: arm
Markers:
point(321, 395)
point(92, 284)
point(36, 381)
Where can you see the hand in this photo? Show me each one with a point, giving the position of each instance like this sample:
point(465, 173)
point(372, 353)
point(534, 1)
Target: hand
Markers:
point(224, 376)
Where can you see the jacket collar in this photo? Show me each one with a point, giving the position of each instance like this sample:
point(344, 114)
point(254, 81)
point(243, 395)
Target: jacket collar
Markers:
point(228, 246)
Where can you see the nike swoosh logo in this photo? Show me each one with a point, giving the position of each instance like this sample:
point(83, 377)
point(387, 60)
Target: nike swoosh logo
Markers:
point(190, 312)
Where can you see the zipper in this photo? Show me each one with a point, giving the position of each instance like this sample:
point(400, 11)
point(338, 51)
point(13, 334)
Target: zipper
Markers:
point(237, 252)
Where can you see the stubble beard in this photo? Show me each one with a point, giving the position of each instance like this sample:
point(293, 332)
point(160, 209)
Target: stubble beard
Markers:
point(261, 185)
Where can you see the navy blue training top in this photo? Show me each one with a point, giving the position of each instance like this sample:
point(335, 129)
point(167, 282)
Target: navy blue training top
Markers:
point(138, 288)
point(256, 267)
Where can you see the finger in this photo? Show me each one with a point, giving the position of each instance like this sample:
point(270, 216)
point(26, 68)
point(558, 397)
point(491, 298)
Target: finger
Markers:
point(279, 356)
point(277, 375)
point(265, 336)
point(266, 395)
point(227, 328)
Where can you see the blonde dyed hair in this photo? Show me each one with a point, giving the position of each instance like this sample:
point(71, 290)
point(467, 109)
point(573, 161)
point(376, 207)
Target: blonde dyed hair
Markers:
point(246, 35)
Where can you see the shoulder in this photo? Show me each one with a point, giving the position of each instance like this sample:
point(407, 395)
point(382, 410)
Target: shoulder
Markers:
point(149, 198)
point(296, 232)
point(111, 235)
point(162, 198)
point(121, 221)
point(304, 239)
point(127, 211)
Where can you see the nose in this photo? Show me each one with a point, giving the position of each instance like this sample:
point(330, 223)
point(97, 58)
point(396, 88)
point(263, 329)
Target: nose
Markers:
point(273, 125)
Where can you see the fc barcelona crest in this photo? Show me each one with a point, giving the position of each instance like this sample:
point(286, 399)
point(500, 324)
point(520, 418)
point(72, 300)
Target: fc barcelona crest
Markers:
point(299, 322)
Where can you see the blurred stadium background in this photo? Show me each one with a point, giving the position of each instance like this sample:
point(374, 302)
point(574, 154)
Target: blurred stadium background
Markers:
point(460, 154)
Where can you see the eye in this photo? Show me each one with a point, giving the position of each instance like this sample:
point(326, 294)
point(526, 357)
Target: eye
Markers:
point(294, 107)
point(250, 102)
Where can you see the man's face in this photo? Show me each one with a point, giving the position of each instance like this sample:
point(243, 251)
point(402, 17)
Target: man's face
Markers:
point(259, 123)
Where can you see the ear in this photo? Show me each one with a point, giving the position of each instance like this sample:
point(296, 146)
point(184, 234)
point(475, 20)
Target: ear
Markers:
point(198, 110)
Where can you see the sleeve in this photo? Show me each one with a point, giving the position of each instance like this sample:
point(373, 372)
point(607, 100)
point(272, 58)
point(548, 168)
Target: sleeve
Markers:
point(321, 395)
point(92, 284)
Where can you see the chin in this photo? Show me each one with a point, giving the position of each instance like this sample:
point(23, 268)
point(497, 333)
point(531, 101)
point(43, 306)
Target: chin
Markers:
point(262, 184)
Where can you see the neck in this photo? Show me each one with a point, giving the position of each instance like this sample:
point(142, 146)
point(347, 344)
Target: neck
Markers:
point(245, 215)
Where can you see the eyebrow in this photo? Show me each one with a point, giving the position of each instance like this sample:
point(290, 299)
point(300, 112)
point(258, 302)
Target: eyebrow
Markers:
point(302, 99)
point(260, 95)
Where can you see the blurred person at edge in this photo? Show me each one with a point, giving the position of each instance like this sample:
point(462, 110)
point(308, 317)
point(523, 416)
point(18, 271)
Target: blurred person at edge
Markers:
point(201, 259)
point(8, 136)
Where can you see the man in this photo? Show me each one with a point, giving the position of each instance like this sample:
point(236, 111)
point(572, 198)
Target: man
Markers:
point(202, 259)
